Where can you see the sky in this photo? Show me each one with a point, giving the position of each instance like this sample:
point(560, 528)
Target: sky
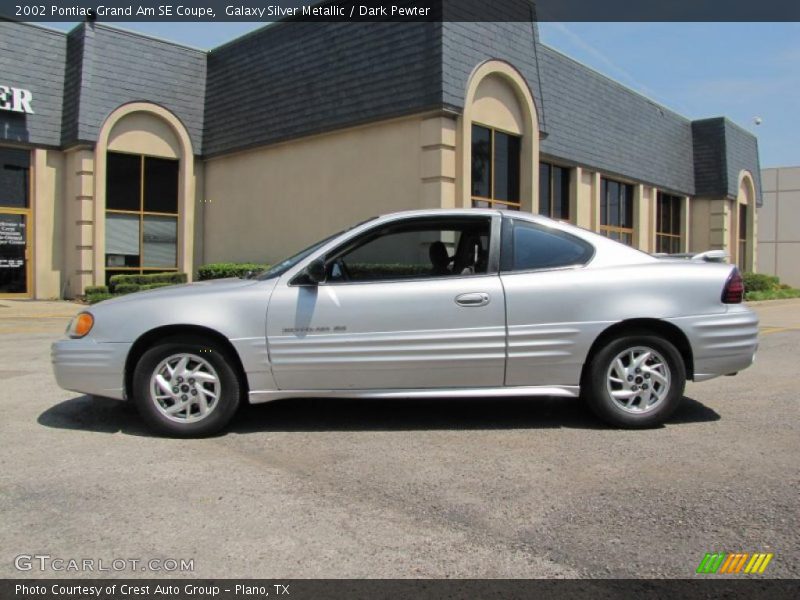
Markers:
point(738, 70)
point(742, 71)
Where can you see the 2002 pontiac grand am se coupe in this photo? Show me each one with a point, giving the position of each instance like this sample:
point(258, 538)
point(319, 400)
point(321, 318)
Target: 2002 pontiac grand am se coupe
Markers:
point(424, 304)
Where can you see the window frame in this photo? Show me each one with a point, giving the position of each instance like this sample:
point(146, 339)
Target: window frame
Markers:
point(494, 203)
point(507, 247)
point(671, 235)
point(606, 229)
point(23, 165)
point(142, 214)
point(492, 267)
point(741, 242)
point(551, 188)
point(26, 213)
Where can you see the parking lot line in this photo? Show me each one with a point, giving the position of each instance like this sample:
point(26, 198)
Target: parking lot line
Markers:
point(22, 317)
point(769, 330)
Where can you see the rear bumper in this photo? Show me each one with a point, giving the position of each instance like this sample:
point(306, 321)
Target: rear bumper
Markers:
point(90, 367)
point(723, 343)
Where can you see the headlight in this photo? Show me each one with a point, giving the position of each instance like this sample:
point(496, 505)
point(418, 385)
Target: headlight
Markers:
point(80, 325)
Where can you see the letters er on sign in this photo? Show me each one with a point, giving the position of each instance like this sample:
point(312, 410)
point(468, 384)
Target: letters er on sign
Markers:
point(15, 100)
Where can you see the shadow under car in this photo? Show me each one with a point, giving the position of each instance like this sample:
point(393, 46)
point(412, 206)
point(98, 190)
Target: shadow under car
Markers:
point(103, 415)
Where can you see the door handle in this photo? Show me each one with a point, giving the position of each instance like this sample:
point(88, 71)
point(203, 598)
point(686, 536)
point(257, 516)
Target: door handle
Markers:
point(473, 299)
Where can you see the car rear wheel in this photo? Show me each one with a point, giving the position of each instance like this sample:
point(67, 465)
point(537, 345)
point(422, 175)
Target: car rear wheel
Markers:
point(186, 387)
point(635, 381)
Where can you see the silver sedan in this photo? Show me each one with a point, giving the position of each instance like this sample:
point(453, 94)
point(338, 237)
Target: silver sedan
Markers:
point(423, 304)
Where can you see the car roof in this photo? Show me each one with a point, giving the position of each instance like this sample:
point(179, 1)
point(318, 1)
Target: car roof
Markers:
point(469, 212)
point(441, 212)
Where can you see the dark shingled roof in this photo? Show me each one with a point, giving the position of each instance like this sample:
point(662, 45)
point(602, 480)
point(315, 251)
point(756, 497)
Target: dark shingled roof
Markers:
point(117, 67)
point(293, 79)
point(466, 45)
point(722, 149)
point(594, 121)
point(33, 58)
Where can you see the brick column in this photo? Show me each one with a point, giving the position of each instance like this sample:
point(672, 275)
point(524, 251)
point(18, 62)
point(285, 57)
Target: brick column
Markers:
point(644, 217)
point(46, 224)
point(580, 197)
point(79, 233)
point(595, 190)
point(438, 163)
point(720, 226)
point(686, 223)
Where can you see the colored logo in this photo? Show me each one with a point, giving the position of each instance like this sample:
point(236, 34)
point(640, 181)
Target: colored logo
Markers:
point(739, 562)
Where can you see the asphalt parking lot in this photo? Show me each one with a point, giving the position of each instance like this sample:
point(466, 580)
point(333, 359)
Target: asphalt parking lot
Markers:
point(464, 489)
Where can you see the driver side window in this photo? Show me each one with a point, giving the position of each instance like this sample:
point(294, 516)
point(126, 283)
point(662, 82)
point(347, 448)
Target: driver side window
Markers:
point(417, 249)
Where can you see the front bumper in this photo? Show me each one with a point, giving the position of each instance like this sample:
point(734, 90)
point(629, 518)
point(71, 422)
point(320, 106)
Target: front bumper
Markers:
point(90, 367)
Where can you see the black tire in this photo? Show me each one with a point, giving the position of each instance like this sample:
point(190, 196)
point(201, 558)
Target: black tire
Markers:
point(595, 384)
point(224, 407)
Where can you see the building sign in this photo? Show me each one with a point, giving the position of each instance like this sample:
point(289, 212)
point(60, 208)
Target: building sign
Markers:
point(16, 100)
point(12, 232)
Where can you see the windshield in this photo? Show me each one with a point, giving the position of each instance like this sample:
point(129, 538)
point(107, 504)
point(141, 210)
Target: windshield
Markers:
point(286, 264)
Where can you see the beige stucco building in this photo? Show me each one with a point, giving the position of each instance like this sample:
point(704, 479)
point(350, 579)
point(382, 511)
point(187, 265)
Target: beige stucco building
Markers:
point(125, 154)
point(779, 225)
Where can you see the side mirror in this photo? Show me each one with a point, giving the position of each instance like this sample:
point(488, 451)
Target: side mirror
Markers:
point(315, 271)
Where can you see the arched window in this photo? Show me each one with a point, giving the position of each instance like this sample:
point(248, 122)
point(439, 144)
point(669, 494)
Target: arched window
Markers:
point(144, 193)
point(500, 135)
point(745, 222)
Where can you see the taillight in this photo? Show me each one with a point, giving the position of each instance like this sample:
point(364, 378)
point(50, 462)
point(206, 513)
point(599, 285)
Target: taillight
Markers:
point(733, 292)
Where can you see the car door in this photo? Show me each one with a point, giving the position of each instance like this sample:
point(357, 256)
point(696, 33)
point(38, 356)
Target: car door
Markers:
point(387, 318)
point(548, 303)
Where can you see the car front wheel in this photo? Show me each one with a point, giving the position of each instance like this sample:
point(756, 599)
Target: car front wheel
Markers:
point(635, 381)
point(186, 387)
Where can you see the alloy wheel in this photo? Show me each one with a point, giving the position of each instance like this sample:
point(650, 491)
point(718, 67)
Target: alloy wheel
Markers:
point(185, 388)
point(638, 379)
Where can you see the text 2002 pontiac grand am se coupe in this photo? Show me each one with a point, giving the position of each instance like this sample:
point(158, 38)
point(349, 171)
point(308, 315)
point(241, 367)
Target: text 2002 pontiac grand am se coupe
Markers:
point(424, 304)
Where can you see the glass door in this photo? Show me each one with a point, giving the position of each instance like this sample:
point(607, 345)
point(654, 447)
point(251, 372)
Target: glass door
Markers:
point(13, 254)
point(15, 264)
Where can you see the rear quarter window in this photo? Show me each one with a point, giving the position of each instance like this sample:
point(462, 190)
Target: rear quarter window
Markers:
point(534, 246)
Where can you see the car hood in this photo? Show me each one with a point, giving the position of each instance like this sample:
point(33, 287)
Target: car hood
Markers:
point(232, 307)
point(199, 288)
